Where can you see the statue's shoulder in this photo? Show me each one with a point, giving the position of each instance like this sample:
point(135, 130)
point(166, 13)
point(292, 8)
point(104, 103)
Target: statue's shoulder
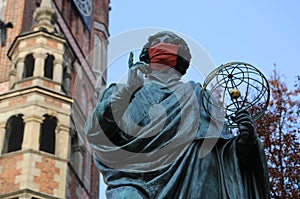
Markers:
point(113, 86)
point(195, 85)
point(109, 90)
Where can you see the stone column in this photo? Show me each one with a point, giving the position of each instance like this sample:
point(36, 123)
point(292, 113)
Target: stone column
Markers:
point(2, 136)
point(62, 142)
point(20, 69)
point(67, 80)
point(58, 71)
point(31, 139)
point(39, 64)
point(12, 77)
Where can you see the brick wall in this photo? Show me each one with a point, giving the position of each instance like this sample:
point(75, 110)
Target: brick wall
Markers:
point(19, 12)
point(75, 24)
point(30, 7)
point(94, 180)
point(4, 87)
point(46, 178)
point(101, 11)
point(34, 171)
point(75, 189)
point(14, 13)
point(8, 173)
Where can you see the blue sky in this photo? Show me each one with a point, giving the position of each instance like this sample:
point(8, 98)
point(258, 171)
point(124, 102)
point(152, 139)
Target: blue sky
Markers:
point(258, 32)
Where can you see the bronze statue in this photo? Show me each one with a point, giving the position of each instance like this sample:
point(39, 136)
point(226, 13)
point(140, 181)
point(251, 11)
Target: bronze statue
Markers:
point(148, 133)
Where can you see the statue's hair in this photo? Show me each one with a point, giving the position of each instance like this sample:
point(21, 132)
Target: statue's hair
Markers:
point(183, 55)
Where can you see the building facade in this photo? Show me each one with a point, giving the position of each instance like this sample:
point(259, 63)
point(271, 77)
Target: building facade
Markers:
point(52, 69)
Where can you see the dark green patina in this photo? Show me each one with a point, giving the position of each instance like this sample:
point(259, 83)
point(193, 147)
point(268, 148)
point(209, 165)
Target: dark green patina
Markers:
point(235, 167)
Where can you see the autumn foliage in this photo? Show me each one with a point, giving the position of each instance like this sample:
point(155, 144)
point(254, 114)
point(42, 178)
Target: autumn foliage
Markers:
point(279, 129)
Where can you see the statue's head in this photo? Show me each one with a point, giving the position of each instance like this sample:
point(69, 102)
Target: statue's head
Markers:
point(169, 49)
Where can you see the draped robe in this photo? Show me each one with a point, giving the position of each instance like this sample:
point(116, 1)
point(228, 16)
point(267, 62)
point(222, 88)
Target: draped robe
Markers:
point(174, 150)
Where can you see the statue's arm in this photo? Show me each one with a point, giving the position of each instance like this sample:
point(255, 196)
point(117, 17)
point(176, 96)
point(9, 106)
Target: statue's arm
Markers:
point(119, 100)
point(115, 100)
point(102, 126)
point(100, 120)
point(247, 139)
point(123, 93)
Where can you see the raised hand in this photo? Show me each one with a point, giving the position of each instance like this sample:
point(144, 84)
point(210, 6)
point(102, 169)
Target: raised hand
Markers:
point(246, 126)
point(135, 79)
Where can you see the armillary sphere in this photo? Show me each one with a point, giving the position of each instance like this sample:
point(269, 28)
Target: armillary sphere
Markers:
point(234, 86)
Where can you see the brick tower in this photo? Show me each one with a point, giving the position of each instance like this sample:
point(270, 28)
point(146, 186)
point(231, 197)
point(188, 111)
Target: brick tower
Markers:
point(51, 62)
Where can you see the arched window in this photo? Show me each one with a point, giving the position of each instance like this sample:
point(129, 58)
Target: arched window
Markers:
point(29, 66)
point(14, 134)
point(48, 67)
point(47, 135)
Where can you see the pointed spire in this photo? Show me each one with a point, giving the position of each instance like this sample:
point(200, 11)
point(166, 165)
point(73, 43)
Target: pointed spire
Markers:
point(45, 17)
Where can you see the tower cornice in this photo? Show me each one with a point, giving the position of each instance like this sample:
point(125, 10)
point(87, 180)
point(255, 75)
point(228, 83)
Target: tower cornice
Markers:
point(36, 89)
point(34, 35)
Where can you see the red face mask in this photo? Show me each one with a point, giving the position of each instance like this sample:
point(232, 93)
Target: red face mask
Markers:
point(163, 56)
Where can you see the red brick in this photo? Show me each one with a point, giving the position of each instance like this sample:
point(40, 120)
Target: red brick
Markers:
point(9, 173)
point(52, 43)
point(53, 101)
point(46, 178)
point(4, 87)
point(17, 101)
point(19, 12)
point(26, 83)
point(14, 13)
point(49, 84)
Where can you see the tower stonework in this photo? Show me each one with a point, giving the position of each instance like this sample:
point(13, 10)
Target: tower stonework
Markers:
point(52, 69)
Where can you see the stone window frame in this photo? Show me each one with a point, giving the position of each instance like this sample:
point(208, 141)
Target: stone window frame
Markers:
point(12, 144)
point(48, 134)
